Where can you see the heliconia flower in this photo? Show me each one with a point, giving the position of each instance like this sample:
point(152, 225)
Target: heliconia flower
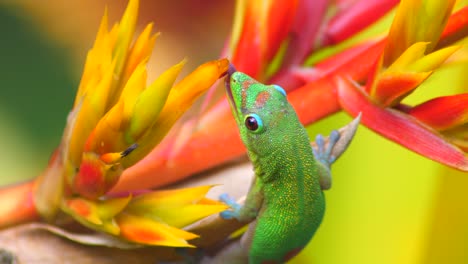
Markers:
point(258, 32)
point(328, 48)
point(406, 30)
point(436, 128)
point(276, 36)
point(115, 122)
point(406, 73)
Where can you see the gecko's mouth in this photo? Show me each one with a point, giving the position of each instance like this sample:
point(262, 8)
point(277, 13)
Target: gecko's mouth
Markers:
point(227, 83)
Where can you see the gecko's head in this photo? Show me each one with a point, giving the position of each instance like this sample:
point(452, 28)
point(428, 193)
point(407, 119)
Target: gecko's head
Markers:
point(259, 111)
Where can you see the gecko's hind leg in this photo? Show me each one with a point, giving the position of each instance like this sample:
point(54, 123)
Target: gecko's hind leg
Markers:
point(324, 155)
point(323, 152)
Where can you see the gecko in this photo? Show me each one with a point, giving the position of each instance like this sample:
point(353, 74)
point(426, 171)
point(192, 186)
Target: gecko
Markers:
point(285, 203)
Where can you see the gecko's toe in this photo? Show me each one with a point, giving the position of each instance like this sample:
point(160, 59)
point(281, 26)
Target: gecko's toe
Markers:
point(319, 139)
point(334, 137)
point(225, 198)
point(323, 151)
point(229, 214)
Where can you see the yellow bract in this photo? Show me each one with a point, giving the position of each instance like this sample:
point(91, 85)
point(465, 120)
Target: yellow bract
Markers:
point(153, 97)
point(178, 208)
point(154, 218)
point(407, 72)
point(116, 121)
point(410, 26)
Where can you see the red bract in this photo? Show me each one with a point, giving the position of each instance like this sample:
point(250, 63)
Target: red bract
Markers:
point(400, 128)
point(350, 19)
point(444, 112)
point(259, 31)
point(423, 128)
point(456, 28)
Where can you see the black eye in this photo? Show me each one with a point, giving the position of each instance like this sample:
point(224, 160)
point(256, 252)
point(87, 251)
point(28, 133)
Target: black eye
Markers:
point(253, 123)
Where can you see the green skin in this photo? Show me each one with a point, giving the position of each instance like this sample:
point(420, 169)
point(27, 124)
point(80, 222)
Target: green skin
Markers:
point(285, 203)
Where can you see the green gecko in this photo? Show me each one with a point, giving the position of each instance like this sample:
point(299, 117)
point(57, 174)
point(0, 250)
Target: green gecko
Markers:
point(285, 204)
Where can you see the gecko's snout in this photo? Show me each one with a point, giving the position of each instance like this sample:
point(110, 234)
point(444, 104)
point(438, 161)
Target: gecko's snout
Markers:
point(227, 82)
point(231, 69)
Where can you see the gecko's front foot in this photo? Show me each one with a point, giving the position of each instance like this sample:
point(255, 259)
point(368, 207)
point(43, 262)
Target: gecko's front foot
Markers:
point(324, 153)
point(235, 207)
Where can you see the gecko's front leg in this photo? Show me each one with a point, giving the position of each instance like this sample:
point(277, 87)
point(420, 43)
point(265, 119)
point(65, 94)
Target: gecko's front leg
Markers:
point(234, 213)
point(327, 150)
point(247, 212)
point(323, 152)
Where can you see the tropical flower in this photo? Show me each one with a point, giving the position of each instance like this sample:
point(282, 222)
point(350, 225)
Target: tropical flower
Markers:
point(412, 53)
point(115, 121)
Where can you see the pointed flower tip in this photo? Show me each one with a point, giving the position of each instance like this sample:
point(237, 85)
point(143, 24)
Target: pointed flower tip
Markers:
point(84, 209)
point(416, 21)
point(181, 96)
point(407, 72)
point(393, 86)
point(111, 158)
point(443, 113)
point(126, 29)
point(151, 232)
point(433, 60)
point(392, 124)
point(149, 103)
point(411, 54)
point(109, 208)
point(95, 215)
point(103, 27)
point(130, 14)
point(223, 66)
point(178, 208)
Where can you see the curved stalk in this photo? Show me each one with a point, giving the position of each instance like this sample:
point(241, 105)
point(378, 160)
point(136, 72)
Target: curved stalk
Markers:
point(17, 204)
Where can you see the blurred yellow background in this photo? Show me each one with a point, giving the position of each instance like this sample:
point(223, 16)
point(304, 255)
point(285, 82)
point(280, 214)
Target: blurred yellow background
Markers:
point(387, 204)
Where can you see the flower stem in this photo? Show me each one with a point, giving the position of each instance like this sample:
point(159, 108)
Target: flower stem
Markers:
point(17, 204)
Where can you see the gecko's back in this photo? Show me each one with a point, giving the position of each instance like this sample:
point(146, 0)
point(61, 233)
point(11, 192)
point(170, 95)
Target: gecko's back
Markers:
point(285, 199)
point(293, 202)
point(285, 204)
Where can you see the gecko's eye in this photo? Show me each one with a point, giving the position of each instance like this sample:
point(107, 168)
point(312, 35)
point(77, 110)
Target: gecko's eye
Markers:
point(253, 123)
point(279, 89)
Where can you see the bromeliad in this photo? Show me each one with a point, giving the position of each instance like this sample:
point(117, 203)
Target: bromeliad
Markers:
point(116, 121)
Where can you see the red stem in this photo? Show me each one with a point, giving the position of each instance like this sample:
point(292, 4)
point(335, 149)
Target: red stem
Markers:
point(456, 28)
point(17, 204)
